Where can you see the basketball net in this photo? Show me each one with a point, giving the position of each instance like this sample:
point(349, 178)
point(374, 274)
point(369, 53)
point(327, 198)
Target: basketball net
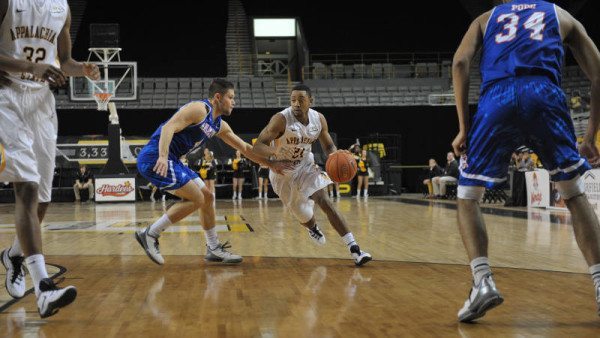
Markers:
point(102, 100)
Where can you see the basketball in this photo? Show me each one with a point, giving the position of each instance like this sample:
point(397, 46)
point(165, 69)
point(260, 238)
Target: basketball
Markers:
point(341, 167)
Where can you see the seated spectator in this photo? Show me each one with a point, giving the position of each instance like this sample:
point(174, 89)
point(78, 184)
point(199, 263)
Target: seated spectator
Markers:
point(450, 175)
point(84, 180)
point(434, 170)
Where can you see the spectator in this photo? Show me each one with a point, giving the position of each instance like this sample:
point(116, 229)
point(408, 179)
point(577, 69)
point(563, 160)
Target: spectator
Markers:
point(450, 175)
point(330, 189)
point(238, 164)
point(355, 150)
point(433, 171)
point(208, 170)
point(84, 180)
point(363, 165)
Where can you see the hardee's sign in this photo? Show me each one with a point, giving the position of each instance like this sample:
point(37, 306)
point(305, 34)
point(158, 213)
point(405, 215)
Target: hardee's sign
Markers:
point(116, 190)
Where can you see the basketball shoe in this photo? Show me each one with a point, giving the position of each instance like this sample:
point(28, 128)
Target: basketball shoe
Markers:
point(317, 235)
point(150, 245)
point(482, 298)
point(15, 275)
point(220, 254)
point(360, 257)
point(51, 298)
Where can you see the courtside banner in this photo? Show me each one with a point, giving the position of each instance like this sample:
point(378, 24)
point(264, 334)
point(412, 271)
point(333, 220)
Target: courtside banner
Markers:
point(115, 189)
point(538, 188)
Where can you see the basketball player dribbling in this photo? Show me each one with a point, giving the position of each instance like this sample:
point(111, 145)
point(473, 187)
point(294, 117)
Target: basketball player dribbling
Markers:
point(522, 53)
point(33, 34)
point(299, 188)
point(188, 129)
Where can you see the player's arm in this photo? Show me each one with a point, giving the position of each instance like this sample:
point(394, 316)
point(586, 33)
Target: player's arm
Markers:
point(69, 66)
point(271, 132)
point(192, 113)
point(229, 137)
point(587, 56)
point(460, 79)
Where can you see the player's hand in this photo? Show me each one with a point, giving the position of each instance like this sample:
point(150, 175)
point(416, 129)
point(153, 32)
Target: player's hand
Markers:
point(280, 166)
point(460, 144)
point(589, 150)
point(161, 166)
point(4, 80)
point(91, 70)
point(49, 73)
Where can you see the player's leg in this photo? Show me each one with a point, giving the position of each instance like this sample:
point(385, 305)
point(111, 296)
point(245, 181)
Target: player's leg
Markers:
point(555, 142)
point(215, 251)
point(340, 225)
point(487, 166)
point(337, 189)
point(366, 186)
point(179, 182)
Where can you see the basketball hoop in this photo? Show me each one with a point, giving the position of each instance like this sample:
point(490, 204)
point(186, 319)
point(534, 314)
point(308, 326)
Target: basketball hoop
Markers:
point(102, 100)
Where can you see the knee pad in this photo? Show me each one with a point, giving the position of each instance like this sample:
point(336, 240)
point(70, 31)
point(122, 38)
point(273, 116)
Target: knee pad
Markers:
point(467, 192)
point(571, 188)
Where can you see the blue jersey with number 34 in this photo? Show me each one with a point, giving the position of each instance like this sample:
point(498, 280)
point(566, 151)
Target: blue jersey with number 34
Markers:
point(522, 38)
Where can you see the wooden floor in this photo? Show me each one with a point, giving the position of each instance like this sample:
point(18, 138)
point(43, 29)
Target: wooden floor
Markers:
point(287, 287)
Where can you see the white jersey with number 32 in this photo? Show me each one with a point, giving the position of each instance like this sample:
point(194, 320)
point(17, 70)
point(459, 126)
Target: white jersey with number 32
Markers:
point(296, 142)
point(30, 31)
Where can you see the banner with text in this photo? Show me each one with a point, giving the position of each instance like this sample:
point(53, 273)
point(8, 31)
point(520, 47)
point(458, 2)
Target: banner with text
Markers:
point(115, 189)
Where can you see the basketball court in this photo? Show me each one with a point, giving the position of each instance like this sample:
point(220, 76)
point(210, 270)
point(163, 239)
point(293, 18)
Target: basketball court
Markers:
point(287, 286)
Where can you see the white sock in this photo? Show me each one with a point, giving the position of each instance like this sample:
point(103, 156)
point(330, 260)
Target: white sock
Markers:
point(234, 195)
point(159, 226)
point(36, 265)
point(366, 192)
point(349, 239)
point(595, 272)
point(15, 249)
point(480, 267)
point(212, 239)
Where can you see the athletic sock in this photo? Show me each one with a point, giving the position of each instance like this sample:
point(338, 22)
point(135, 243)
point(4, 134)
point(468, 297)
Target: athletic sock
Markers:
point(595, 272)
point(212, 239)
point(36, 266)
point(15, 249)
point(159, 226)
point(349, 240)
point(480, 267)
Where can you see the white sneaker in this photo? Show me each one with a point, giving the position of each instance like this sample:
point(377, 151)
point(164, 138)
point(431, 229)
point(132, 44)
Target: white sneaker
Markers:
point(51, 298)
point(234, 197)
point(150, 245)
point(360, 257)
point(15, 275)
point(317, 235)
point(220, 254)
point(482, 298)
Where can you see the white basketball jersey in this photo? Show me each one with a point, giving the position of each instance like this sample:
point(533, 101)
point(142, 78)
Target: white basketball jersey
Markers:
point(296, 142)
point(30, 32)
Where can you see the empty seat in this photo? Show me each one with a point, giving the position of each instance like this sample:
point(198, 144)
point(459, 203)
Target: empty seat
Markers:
point(377, 70)
point(373, 100)
point(360, 70)
point(337, 70)
point(350, 101)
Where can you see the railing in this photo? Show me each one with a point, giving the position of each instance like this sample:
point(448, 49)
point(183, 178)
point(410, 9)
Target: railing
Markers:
point(366, 58)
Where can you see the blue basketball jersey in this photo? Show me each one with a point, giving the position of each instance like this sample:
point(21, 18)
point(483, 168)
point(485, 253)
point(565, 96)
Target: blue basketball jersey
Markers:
point(522, 38)
point(189, 138)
